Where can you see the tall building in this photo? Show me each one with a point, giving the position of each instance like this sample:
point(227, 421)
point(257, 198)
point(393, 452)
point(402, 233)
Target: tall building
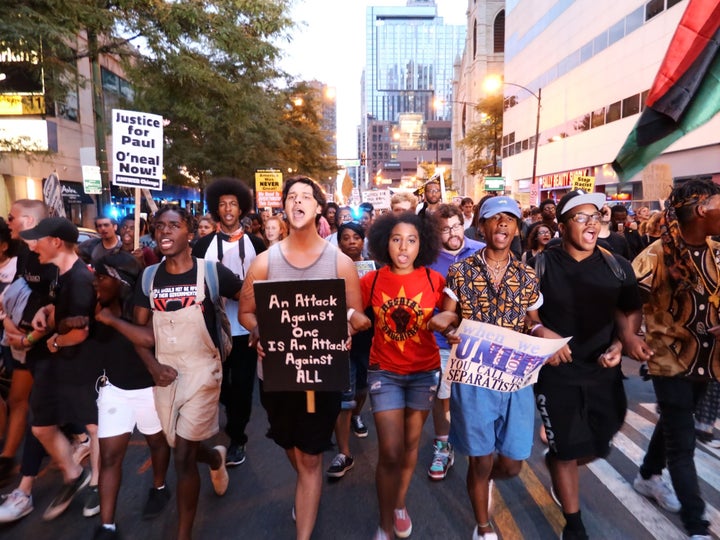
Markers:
point(407, 83)
point(482, 56)
point(593, 64)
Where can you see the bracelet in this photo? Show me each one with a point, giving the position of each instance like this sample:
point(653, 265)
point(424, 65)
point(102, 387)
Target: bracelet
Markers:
point(350, 313)
point(532, 330)
point(30, 338)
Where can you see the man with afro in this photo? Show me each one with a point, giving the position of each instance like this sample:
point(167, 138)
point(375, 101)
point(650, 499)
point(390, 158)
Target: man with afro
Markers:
point(228, 201)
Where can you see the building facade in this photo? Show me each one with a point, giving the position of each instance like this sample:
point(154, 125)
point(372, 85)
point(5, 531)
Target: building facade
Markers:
point(407, 83)
point(594, 63)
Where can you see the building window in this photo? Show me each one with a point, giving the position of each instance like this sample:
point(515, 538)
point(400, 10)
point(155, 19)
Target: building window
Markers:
point(598, 117)
point(499, 33)
point(474, 39)
point(653, 7)
point(613, 112)
point(631, 105)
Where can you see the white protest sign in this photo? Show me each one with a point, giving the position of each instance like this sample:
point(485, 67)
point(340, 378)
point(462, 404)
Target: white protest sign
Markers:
point(379, 198)
point(492, 357)
point(137, 149)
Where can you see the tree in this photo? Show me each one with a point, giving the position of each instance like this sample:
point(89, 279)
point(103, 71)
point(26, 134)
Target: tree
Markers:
point(209, 68)
point(483, 139)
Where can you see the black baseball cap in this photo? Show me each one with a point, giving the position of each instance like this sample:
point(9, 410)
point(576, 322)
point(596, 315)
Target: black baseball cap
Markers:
point(57, 227)
point(578, 197)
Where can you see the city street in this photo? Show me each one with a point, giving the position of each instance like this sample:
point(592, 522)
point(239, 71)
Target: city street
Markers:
point(259, 501)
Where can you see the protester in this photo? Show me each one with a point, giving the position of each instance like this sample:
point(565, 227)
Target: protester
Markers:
point(455, 247)
point(403, 201)
point(680, 281)
point(144, 255)
point(228, 200)
point(609, 239)
point(706, 414)
point(329, 213)
point(539, 238)
point(404, 359)
point(591, 296)
point(275, 230)
point(620, 223)
point(206, 225)
point(302, 255)
point(125, 395)
point(466, 205)
point(432, 195)
point(107, 243)
point(490, 286)
point(186, 366)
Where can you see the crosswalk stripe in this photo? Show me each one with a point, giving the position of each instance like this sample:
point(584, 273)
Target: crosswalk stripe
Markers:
point(654, 522)
point(504, 522)
point(542, 498)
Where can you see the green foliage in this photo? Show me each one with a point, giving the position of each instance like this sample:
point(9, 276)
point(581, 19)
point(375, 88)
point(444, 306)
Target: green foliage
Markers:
point(208, 67)
point(483, 140)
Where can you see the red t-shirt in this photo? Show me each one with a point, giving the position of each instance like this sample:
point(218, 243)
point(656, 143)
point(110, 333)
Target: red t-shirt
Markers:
point(403, 305)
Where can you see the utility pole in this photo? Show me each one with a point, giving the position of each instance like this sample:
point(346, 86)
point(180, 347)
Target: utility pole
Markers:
point(99, 116)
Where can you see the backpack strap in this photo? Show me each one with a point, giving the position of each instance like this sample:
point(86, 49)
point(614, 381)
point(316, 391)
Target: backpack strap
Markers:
point(540, 264)
point(148, 280)
point(427, 271)
point(212, 280)
point(200, 291)
point(613, 263)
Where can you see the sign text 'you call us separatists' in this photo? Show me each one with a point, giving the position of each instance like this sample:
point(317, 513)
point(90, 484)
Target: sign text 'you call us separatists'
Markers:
point(303, 330)
point(137, 149)
point(497, 358)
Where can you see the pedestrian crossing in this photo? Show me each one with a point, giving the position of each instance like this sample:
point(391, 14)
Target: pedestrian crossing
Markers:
point(615, 476)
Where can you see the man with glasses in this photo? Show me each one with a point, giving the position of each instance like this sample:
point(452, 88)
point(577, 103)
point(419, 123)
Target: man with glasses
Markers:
point(455, 247)
point(433, 197)
point(591, 296)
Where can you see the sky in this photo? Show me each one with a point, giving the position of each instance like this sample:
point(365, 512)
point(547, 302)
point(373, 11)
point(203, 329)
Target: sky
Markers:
point(329, 45)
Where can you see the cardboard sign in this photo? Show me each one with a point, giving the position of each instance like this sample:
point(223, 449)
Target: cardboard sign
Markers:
point(303, 329)
point(657, 181)
point(497, 358)
point(137, 149)
point(379, 198)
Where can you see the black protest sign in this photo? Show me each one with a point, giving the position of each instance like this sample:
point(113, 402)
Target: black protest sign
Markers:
point(303, 329)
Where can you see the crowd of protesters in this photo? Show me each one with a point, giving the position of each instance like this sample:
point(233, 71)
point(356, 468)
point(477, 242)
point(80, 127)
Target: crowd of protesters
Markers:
point(113, 334)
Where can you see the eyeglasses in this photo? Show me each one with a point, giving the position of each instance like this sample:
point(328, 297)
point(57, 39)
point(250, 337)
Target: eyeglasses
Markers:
point(433, 190)
point(583, 218)
point(455, 228)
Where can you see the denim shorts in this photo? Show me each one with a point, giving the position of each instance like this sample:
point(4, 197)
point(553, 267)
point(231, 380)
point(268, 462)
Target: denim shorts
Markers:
point(389, 391)
point(485, 421)
point(358, 380)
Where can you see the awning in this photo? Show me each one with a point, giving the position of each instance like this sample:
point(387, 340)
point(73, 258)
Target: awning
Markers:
point(73, 193)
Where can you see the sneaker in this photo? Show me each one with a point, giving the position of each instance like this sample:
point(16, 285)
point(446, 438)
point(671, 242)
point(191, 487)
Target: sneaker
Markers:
point(219, 477)
point(15, 506)
point(707, 439)
point(402, 524)
point(7, 470)
point(65, 496)
point(92, 502)
point(477, 535)
point(101, 533)
point(656, 488)
point(235, 455)
point(340, 465)
point(156, 502)
point(701, 537)
point(80, 450)
point(443, 459)
point(573, 534)
point(380, 535)
point(358, 426)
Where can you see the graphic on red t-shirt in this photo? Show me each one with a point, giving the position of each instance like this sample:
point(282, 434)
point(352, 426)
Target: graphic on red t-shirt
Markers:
point(401, 317)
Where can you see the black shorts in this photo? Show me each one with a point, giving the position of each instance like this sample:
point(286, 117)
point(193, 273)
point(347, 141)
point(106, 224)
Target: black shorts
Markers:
point(54, 404)
point(291, 426)
point(581, 420)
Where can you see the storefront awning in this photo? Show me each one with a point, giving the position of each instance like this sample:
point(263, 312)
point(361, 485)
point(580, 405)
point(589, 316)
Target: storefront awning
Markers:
point(73, 193)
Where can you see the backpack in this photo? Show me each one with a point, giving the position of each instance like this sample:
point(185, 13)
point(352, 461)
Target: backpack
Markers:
point(609, 258)
point(223, 330)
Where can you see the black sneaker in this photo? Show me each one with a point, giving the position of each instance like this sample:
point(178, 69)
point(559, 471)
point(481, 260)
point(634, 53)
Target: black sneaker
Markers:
point(92, 502)
point(235, 455)
point(358, 426)
point(156, 502)
point(7, 470)
point(573, 534)
point(340, 465)
point(65, 496)
point(101, 533)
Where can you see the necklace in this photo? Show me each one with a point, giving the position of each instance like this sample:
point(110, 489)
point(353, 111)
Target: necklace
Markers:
point(714, 297)
point(497, 272)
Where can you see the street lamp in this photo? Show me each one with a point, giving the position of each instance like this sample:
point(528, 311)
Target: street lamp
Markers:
point(492, 84)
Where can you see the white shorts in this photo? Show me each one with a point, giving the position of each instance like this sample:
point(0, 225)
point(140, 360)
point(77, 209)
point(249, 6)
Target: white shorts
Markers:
point(443, 391)
point(119, 411)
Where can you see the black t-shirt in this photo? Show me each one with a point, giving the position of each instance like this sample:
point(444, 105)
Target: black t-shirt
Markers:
point(176, 291)
point(75, 298)
point(616, 243)
point(42, 280)
point(580, 299)
point(116, 355)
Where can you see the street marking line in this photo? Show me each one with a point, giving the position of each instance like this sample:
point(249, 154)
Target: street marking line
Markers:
point(643, 510)
point(504, 522)
point(715, 451)
point(542, 498)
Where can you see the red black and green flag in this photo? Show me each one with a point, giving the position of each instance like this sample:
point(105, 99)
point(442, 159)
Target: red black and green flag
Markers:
point(686, 91)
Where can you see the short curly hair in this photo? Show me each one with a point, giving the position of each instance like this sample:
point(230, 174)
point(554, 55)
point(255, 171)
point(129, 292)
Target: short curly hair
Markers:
point(427, 227)
point(228, 186)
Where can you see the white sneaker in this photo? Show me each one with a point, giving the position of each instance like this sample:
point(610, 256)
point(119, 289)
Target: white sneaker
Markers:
point(15, 506)
point(477, 535)
point(656, 488)
point(80, 449)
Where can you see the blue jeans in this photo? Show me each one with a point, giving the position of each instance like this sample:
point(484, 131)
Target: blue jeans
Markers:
point(673, 443)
